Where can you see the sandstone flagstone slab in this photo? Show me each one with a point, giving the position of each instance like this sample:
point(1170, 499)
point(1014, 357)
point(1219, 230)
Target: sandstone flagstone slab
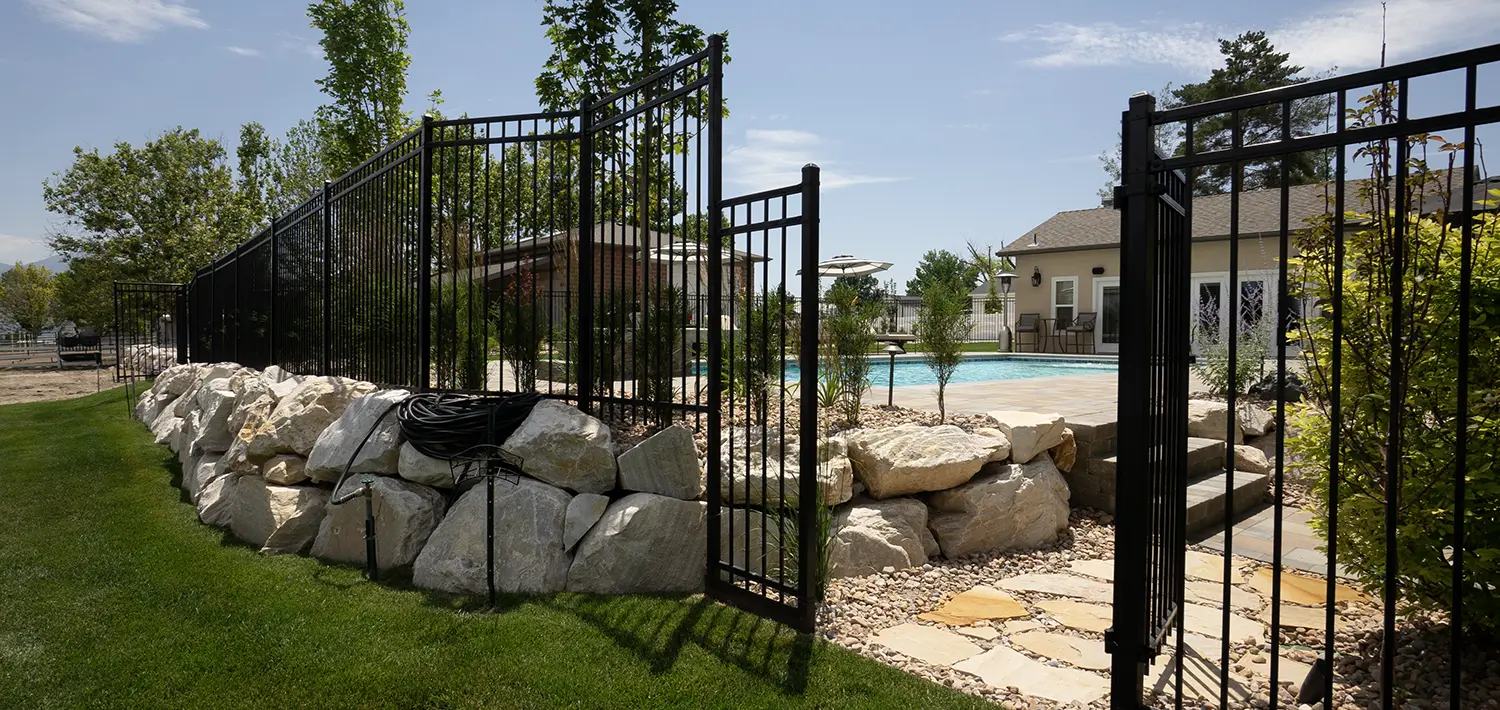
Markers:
point(1200, 672)
point(1213, 595)
point(974, 605)
point(1300, 589)
point(1016, 627)
point(1072, 650)
point(934, 646)
point(1098, 569)
point(1004, 667)
point(1301, 617)
point(983, 633)
point(1201, 565)
point(1077, 615)
point(1208, 621)
point(1288, 672)
point(1063, 585)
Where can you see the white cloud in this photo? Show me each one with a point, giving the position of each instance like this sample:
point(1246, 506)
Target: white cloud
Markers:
point(773, 158)
point(14, 248)
point(971, 126)
point(1346, 36)
point(243, 51)
point(300, 43)
point(119, 20)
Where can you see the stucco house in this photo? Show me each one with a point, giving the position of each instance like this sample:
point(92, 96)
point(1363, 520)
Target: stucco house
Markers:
point(1070, 263)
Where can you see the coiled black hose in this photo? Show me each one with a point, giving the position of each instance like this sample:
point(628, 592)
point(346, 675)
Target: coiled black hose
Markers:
point(446, 425)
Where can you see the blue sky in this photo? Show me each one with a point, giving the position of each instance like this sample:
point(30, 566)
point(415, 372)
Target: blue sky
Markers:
point(936, 123)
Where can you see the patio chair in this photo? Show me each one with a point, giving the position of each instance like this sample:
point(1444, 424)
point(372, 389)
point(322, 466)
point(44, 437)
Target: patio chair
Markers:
point(1081, 326)
point(1029, 323)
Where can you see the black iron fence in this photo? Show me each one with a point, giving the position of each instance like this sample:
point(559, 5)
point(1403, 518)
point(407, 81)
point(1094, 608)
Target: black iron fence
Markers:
point(150, 332)
point(1395, 439)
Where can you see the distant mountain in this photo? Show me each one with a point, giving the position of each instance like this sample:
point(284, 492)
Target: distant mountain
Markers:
point(54, 263)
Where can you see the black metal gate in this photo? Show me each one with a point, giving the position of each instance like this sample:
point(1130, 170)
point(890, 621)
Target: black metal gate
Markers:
point(1380, 289)
point(585, 255)
point(764, 502)
point(1155, 273)
point(150, 329)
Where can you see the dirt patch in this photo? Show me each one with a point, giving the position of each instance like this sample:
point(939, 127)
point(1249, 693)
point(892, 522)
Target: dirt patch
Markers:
point(44, 385)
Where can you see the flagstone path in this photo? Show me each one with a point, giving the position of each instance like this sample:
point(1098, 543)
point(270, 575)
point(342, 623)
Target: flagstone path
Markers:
point(1040, 633)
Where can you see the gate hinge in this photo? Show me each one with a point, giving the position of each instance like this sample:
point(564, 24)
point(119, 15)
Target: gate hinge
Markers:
point(1111, 642)
point(1119, 198)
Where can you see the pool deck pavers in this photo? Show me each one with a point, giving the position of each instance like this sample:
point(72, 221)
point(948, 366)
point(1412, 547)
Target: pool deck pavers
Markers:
point(1068, 395)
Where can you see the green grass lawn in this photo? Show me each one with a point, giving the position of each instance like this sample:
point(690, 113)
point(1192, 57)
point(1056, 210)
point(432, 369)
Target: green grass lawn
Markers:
point(112, 595)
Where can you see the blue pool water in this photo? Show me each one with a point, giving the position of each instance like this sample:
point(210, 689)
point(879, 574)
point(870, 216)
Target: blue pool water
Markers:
point(916, 372)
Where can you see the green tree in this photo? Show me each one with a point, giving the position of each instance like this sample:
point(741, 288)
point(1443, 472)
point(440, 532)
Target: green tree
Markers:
point(27, 295)
point(1366, 382)
point(1251, 64)
point(154, 213)
point(254, 154)
point(941, 267)
point(847, 338)
point(866, 288)
point(85, 292)
point(364, 42)
point(943, 326)
point(602, 46)
point(990, 266)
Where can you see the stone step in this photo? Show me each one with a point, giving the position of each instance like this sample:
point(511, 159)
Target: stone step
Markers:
point(1206, 498)
point(1092, 481)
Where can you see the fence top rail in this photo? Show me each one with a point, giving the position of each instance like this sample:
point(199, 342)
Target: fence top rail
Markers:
point(513, 118)
point(142, 284)
point(410, 135)
point(683, 63)
point(1370, 77)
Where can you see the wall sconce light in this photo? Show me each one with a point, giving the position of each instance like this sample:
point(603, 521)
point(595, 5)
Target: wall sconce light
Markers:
point(1036, 276)
point(1098, 270)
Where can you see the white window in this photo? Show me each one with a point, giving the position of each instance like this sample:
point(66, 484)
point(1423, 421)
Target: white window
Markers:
point(1064, 299)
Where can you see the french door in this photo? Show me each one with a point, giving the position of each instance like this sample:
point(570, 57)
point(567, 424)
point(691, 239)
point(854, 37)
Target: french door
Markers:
point(1107, 302)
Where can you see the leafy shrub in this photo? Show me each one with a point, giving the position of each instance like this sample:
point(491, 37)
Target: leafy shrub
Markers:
point(1426, 388)
point(755, 351)
point(848, 336)
point(1212, 364)
point(520, 327)
point(656, 352)
point(943, 325)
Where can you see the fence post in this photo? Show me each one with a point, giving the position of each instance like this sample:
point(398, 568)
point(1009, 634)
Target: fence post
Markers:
point(327, 364)
point(807, 362)
point(1126, 638)
point(424, 260)
point(180, 323)
point(234, 319)
point(586, 332)
point(271, 317)
point(715, 306)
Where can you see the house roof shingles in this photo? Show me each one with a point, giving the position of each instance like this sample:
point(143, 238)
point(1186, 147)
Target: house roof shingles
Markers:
point(1260, 213)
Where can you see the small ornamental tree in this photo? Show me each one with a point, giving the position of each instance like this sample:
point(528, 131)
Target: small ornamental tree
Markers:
point(943, 325)
point(848, 336)
point(1426, 385)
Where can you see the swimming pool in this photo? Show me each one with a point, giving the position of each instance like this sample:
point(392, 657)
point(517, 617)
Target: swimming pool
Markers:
point(913, 371)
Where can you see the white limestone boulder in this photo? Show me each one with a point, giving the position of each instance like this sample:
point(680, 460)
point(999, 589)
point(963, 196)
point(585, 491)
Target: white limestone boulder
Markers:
point(1210, 420)
point(418, 467)
point(405, 516)
point(277, 519)
point(870, 535)
point(1251, 459)
point(644, 544)
point(1255, 419)
point(565, 447)
point(205, 375)
point(202, 471)
point(583, 511)
point(530, 557)
point(175, 380)
point(1031, 434)
point(284, 470)
point(366, 437)
point(912, 458)
point(186, 444)
point(757, 466)
point(301, 416)
point(166, 428)
point(666, 463)
point(215, 404)
point(1007, 507)
point(151, 405)
point(215, 502)
point(747, 542)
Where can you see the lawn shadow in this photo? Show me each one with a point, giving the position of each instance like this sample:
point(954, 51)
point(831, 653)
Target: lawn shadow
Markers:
point(657, 629)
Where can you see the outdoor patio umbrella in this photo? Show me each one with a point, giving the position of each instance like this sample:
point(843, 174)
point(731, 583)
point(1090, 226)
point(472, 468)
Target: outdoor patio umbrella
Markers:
point(847, 265)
